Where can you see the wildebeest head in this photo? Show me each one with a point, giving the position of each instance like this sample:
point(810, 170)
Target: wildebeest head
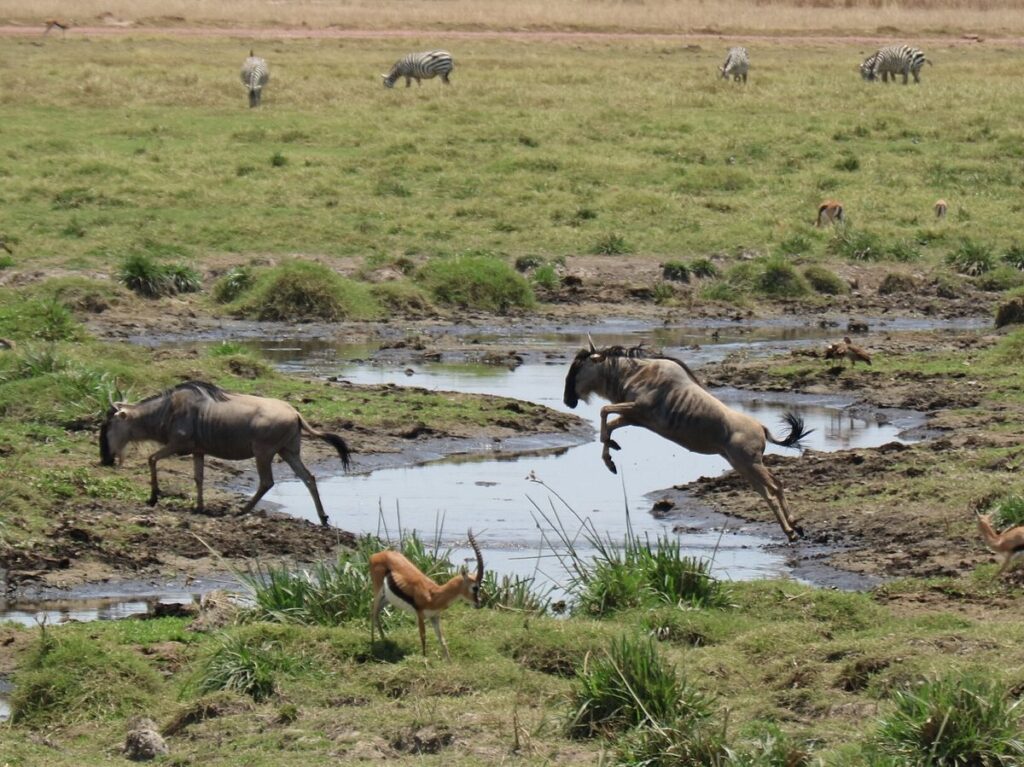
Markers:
point(579, 382)
point(115, 433)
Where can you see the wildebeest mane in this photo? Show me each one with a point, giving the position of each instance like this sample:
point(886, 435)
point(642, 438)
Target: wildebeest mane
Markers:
point(640, 352)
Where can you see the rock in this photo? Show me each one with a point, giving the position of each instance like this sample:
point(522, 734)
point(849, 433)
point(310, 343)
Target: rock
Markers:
point(143, 741)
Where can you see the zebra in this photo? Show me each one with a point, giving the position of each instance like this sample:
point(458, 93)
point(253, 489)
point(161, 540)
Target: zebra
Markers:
point(420, 65)
point(893, 60)
point(737, 62)
point(255, 75)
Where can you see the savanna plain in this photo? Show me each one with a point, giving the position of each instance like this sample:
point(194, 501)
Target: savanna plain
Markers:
point(555, 181)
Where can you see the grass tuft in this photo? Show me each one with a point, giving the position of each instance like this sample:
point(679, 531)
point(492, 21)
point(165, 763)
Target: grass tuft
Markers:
point(476, 282)
point(304, 291)
point(824, 281)
point(144, 275)
point(971, 258)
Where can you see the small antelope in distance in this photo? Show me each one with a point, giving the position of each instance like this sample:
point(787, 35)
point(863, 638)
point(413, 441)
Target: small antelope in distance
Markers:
point(940, 208)
point(401, 583)
point(830, 212)
point(1008, 544)
point(61, 24)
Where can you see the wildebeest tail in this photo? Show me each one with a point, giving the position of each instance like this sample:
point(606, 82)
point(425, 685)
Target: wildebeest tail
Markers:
point(106, 454)
point(796, 432)
point(332, 439)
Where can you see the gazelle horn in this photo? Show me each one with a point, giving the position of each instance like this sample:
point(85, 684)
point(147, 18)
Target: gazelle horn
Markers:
point(479, 558)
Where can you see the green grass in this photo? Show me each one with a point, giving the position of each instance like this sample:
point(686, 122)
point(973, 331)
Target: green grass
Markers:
point(302, 291)
point(426, 171)
point(476, 282)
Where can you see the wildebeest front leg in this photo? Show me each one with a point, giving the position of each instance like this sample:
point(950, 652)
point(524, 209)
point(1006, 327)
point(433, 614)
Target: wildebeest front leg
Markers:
point(623, 410)
point(154, 489)
point(303, 473)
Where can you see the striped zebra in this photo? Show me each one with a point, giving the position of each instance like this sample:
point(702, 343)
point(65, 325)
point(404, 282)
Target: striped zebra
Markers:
point(894, 60)
point(420, 66)
point(255, 75)
point(737, 62)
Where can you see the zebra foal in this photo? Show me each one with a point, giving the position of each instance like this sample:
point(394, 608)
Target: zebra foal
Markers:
point(255, 75)
point(420, 66)
point(737, 62)
point(894, 60)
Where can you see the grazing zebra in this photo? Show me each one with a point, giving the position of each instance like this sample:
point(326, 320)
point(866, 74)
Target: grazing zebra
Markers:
point(420, 66)
point(737, 62)
point(894, 60)
point(255, 75)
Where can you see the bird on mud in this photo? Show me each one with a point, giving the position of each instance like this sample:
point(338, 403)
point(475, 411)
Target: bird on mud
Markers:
point(847, 350)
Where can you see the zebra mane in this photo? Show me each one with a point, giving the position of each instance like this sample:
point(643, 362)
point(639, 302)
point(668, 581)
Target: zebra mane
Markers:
point(640, 352)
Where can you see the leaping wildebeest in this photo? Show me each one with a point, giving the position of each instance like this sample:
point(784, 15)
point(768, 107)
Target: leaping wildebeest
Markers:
point(199, 419)
point(662, 394)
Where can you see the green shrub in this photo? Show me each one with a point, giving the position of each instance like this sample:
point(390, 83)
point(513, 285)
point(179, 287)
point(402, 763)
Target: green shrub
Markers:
point(966, 720)
point(855, 244)
point(703, 268)
point(1008, 511)
point(73, 678)
point(628, 685)
point(903, 251)
point(611, 244)
point(824, 281)
point(897, 283)
point(6, 260)
point(45, 319)
point(795, 245)
point(773, 749)
point(144, 275)
point(546, 277)
point(684, 742)
point(515, 593)
point(676, 271)
point(476, 282)
point(402, 298)
point(233, 284)
point(971, 258)
point(1015, 257)
point(278, 160)
point(302, 291)
point(663, 293)
point(780, 279)
point(242, 664)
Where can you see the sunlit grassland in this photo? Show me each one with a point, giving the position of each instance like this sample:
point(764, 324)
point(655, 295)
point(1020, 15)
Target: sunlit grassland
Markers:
point(822, 666)
point(538, 148)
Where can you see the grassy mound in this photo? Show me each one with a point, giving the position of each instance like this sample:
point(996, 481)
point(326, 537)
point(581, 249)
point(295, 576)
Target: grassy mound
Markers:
point(303, 291)
point(476, 282)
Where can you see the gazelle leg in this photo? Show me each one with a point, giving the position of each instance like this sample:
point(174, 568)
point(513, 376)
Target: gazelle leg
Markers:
point(378, 604)
point(154, 489)
point(436, 623)
point(423, 633)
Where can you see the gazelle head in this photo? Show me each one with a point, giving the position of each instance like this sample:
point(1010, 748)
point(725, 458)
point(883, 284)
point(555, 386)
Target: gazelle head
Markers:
point(471, 583)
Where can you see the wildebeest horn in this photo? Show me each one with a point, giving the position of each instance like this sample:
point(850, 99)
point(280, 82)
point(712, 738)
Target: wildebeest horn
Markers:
point(479, 558)
point(591, 342)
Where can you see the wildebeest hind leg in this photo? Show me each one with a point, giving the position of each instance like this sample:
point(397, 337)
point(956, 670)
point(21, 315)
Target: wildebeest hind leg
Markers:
point(264, 465)
point(622, 409)
point(154, 488)
point(769, 488)
point(197, 472)
point(302, 473)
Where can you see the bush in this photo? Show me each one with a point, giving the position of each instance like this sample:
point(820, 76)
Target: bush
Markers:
point(630, 685)
point(546, 277)
point(855, 244)
point(611, 244)
point(676, 271)
point(780, 279)
point(824, 281)
point(303, 291)
point(233, 284)
point(144, 275)
point(401, 297)
point(476, 282)
point(1007, 512)
point(243, 664)
point(953, 721)
point(703, 268)
point(1015, 257)
point(73, 678)
point(971, 258)
point(897, 283)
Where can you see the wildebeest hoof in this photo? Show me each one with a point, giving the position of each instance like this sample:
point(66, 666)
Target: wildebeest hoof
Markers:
point(613, 444)
point(611, 465)
point(152, 500)
point(796, 533)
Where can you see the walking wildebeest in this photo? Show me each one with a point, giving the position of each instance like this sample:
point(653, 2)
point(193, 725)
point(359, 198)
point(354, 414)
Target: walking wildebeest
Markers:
point(199, 419)
point(662, 394)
